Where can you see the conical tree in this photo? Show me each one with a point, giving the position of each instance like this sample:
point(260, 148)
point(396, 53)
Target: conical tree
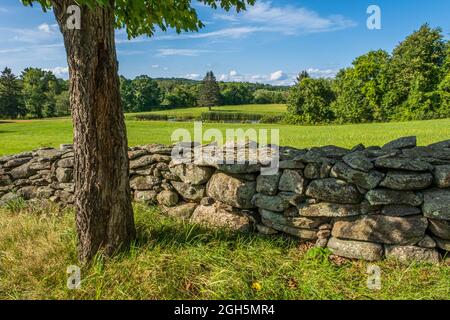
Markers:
point(209, 92)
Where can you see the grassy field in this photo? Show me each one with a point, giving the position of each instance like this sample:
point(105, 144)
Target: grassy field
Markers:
point(17, 136)
point(196, 112)
point(174, 260)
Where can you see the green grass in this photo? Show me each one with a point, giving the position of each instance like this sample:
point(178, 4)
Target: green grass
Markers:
point(175, 260)
point(197, 111)
point(27, 135)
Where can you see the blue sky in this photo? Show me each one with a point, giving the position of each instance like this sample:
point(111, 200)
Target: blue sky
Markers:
point(269, 43)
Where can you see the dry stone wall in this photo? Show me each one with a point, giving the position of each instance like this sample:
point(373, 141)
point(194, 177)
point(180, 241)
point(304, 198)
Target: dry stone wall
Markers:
point(363, 203)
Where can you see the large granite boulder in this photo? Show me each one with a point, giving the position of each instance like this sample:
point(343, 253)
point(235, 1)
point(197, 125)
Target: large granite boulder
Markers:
point(356, 249)
point(334, 190)
point(397, 210)
point(167, 198)
point(437, 204)
point(230, 190)
point(401, 143)
point(382, 229)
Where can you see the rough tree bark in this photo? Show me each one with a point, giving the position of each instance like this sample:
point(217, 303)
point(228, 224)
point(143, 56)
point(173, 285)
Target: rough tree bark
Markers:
point(104, 215)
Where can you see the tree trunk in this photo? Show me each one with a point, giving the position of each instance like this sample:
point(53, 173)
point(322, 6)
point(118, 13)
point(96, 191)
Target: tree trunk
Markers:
point(104, 215)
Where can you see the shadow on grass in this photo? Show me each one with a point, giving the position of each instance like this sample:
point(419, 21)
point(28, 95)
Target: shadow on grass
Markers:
point(166, 232)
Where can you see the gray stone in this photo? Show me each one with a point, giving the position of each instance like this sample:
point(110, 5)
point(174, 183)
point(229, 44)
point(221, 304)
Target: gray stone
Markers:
point(207, 201)
point(66, 163)
point(268, 184)
point(292, 198)
point(232, 191)
point(158, 149)
point(183, 211)
point(334, 152)
point(333, 190)
point(440, 228)
point(382, 229)
point(291, 164)
point(323, 234)
point(386, 197)
point(312, 171)
point(427, 242)
point(144, 182)
point(305, 234)
point(134, 154)
point(397, 180)
point(396, 210)
point(442, 176)
point(148, 196)
point(356, 249)
point(440, 144)
point(292, 181)
point(239, 167)
point(219, 216)
point(64, 175)
point(443, 244)
point(189, 192)
point(403, 164)
point(324, 209)
point(298, 222)
point(273, 203)
point(193, 174)
point(22, 172)
point(358, 161)
point(401, 143)
point(27, 193)
point(367, 180)
point(437, 204)
point(265, 230)
point(5, 180)
point(408, 254)
point(167, 198)
point(145, 161)
point(49, 154)
point(44, 192)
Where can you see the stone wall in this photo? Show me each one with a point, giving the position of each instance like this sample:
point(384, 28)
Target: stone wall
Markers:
point(364, 203)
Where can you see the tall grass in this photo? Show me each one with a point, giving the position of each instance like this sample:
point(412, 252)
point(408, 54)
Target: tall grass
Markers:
point(175, 260)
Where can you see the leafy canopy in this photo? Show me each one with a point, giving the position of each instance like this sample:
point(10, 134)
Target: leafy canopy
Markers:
point(140, 17)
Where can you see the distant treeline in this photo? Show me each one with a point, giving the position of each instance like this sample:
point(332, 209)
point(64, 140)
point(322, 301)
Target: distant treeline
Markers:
point(37, 93)
point(412, 83)
point(145, 94)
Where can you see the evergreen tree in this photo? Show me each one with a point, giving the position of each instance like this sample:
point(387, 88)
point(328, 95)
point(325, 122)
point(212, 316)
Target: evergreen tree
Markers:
point(11, 105)
point(302, 75)
point(209, 92)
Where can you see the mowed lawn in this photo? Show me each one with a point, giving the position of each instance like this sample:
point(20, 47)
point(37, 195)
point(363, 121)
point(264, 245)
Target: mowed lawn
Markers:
point(18, 136)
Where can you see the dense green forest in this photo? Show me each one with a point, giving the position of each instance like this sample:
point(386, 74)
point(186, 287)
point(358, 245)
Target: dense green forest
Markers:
point(411, 83)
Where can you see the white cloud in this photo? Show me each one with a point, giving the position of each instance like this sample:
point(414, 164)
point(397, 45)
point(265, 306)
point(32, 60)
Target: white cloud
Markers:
point(180, 52)
point(288, 20)
point(3, 10)
point(322, 73)
point(193, 76)
point(278, 75)
point(155, 66)
point(59, 71)
point(44, 27)
point(233, 73)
